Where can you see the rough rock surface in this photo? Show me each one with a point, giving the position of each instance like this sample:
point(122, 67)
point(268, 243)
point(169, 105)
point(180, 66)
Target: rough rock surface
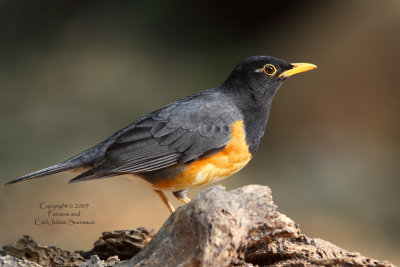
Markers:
point(124, 243)
point(95, 261)
point(305, 251)
point(215, 228)
point(27, 249)
point(10, 261)
point(218, 228)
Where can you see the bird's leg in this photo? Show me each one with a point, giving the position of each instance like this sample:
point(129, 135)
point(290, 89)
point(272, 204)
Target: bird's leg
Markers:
point(165, 200)
point(181, 195)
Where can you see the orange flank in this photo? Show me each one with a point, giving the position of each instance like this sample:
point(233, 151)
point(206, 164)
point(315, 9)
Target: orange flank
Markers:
point(231, 159)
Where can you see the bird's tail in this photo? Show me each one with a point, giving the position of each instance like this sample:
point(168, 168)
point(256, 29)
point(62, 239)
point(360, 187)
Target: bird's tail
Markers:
point(44, 172)
point(85, 159)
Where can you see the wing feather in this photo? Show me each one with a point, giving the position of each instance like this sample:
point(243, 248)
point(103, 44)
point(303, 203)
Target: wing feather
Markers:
point(178, 133)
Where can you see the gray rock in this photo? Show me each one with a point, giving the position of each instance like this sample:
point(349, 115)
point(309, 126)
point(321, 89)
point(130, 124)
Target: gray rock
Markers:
point(305, 251)
point(215, 228)
point(27, 249)
point(124, 243)
point(10, 261)
point(95, 261)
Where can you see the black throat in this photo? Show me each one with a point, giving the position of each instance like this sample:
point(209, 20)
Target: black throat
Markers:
point(255, 121)
point(255, 107)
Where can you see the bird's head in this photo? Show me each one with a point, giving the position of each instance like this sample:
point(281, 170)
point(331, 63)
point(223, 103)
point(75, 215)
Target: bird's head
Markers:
point(264, 74)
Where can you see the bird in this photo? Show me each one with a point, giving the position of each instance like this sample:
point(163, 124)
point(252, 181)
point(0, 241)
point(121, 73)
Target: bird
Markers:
point(197, 140)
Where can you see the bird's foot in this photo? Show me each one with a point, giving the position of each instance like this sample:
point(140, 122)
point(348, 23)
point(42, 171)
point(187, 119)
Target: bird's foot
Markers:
point(181, 195)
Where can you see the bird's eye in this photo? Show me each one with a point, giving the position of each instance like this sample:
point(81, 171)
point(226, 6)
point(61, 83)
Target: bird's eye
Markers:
point(269, 69)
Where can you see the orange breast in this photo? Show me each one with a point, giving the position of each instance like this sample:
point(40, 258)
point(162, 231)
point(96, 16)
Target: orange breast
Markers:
point(231, 159)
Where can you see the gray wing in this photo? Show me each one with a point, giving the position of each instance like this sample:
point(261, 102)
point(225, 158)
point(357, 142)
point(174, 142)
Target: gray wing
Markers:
point(179, 133)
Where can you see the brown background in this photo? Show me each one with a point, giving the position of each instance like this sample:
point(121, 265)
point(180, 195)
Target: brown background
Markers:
point(74, 72)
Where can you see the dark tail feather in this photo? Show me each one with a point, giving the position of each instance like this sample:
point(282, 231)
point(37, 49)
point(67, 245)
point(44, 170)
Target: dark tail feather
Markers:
point(92, 174)
point(86, 158)
point(47, 171)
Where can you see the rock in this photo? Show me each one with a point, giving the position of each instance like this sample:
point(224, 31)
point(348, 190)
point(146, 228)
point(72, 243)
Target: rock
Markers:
point(95, 261)
point(305, 251)
point(124, 243)
point(10, 261)
point(239, 228)
point(27, 249)
point(215, 228)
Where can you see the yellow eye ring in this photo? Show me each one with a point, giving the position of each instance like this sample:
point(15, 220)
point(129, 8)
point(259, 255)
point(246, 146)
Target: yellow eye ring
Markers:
point(269, 69)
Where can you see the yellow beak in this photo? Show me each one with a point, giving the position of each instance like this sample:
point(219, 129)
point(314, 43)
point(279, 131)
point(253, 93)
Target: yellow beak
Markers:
point(297, 68)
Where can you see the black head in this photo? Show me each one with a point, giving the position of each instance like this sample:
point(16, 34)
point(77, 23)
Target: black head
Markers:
point(263, 75)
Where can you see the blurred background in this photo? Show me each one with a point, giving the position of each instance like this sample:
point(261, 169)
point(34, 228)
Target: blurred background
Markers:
point(74, 72)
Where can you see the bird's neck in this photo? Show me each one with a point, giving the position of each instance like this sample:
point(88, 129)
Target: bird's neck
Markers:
point(255, 111)
point(255, 121)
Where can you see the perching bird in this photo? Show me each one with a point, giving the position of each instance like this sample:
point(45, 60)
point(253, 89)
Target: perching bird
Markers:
point(196, 140)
